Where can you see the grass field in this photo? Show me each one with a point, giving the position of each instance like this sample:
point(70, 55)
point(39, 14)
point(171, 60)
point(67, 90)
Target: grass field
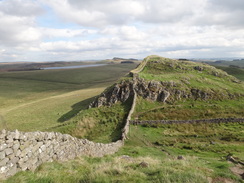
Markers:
point(38, 100)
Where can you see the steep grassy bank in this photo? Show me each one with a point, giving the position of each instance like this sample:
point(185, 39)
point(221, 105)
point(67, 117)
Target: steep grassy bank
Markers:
point(102, 124)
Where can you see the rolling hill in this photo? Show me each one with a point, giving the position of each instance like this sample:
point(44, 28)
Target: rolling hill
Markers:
point(161, 89)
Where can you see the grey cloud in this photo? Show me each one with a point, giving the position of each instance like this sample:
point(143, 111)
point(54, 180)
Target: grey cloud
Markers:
point(20, 7)
point(226, 13)
point(231, 5)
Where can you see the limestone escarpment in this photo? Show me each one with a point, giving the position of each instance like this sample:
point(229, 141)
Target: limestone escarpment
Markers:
point(162, 91)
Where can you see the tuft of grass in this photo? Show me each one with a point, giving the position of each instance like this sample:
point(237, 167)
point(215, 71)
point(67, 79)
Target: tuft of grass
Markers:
point(115, 169)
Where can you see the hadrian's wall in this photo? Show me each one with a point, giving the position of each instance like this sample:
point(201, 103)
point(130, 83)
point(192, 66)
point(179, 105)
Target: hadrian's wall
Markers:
point(127, 124)
point(27, 150)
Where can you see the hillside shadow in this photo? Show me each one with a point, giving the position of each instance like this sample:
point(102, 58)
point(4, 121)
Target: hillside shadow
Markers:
point(117, 133)
point(76, 108)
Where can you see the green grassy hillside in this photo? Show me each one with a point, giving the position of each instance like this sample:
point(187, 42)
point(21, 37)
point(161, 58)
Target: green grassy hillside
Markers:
point(186, 76)
point(39, 100)
point(190, 153)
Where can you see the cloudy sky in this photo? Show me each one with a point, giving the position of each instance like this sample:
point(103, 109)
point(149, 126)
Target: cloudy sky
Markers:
point(49, 30)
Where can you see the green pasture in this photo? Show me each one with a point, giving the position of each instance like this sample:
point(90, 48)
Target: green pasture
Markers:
point(43, 99)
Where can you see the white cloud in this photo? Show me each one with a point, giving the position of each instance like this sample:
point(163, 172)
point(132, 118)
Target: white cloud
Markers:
point(16, 30)
point(65, 33)
point(130, 28)
point(129, 33)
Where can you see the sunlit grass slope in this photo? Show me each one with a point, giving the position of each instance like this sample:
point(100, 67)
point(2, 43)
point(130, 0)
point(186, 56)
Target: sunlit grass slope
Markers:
point(39, 100)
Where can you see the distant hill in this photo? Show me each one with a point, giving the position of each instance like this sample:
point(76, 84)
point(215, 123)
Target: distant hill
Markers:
point(238, 63)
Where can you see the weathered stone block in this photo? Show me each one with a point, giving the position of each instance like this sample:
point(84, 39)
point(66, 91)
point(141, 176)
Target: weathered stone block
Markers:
point(29, 154)
point(11, 156)
point(10, 140)
point(43, 148)
point(4, 162)
point(14, 160)
point(17, 153)
point(3, 171)
point(25, 158)
point(2, 155)
point(23, 137)
point(3, 146)
point(8, 151)
point(23, 166)
point(16, 146)
point(25, 152)
point(13, 170)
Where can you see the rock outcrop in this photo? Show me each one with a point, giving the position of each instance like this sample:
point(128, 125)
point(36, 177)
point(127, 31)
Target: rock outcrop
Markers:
point(162, 91)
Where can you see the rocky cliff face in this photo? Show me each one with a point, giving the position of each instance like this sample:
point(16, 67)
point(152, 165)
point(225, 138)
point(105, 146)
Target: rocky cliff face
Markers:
point(166, 91)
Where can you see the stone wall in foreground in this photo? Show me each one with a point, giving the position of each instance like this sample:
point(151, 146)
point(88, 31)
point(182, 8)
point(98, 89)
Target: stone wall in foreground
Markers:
point(27, 150)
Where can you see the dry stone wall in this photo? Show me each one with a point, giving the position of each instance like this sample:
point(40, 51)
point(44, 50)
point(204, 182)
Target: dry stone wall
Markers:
point(127, 124)
point(162, 122)
point(27, 150)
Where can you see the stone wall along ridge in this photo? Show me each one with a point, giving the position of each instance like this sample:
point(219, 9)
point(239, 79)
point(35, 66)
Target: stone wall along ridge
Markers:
point(166, 122)
point(125, 130)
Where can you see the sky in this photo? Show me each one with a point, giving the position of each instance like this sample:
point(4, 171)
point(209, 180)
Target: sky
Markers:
point(68, 30)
